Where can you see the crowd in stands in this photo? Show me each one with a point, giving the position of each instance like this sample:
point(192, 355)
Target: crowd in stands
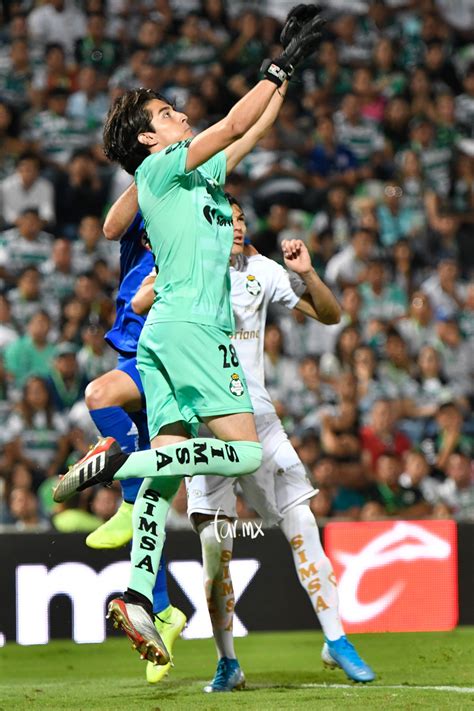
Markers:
point(371, 162)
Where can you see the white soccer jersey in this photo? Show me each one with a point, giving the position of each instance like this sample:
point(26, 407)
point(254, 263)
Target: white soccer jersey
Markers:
point(258, 283)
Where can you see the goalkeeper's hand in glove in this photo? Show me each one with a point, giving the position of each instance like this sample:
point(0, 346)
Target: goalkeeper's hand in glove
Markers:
point(296, 19)
point(304, 42)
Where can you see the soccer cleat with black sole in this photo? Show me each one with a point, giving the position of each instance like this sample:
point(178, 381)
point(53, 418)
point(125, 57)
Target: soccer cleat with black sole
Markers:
point(139, 627)
point(97, 467)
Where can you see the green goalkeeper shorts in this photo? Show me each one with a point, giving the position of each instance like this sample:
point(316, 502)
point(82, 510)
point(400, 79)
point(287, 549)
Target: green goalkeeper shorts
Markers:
point(189, 372)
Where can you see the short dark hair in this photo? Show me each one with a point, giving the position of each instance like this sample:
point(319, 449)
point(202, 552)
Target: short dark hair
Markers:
point(233, 201)
point(363, 230)
point(127, 118)
point(53, 46)
point(28, 155)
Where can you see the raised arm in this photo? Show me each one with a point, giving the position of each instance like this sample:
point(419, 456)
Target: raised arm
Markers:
point(318, 302)
point(121, 214)
point(240, 118)
point(239, 149)
point(300, 37)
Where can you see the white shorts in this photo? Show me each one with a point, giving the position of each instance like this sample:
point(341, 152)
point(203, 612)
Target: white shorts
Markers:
point(279, 484)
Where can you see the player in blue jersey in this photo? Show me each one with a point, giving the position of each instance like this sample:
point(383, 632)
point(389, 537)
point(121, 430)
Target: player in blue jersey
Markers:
point(116, 400)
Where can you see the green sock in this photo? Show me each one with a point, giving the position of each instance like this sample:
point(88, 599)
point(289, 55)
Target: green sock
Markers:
point(194, 456)
point(149, 518)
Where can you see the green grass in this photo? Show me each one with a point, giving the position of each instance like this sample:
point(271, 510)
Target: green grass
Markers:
point(108, 677)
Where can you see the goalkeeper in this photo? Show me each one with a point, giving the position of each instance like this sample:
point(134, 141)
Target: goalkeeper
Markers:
point(188, 366)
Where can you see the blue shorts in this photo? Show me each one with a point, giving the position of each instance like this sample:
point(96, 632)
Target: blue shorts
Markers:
point(129, 366)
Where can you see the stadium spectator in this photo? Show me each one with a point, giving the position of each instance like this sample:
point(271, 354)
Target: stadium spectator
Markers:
point(360, 136)
point(16, 79)
point(66, 382)
point(91, 246)
point(456, 355)
point(28, 297)
point(88, 105)
point(446, 439)
point(94, 49)
point(417, 474)
point(349, 267)
point(330, 161)
point(24, 509)
point(381, 300)
point(57, 21)
point(445, 290)
point(81, 193)
point(36, 435)
point(388, 497)
point(74, 315)
point(381, 435)
point(8, 331)
point(54, 134)
point(11, 146)
point(25, 245)
point(456, 494)
point(335, 219)
point(464, 103)
point(53, 73)
point(396, 220)
point(31, 353)
point(95, 357)
point(58, 275)
point(26, 189)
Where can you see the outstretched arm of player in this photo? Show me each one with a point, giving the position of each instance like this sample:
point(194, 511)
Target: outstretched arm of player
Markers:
point(240, 118)
point(239, 149)
point(299, 43)
point(121, 214)
point(318, 302)
point(143, 299)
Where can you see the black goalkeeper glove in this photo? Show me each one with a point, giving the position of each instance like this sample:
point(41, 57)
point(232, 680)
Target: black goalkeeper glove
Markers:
point(303, 42)
point(296, 19)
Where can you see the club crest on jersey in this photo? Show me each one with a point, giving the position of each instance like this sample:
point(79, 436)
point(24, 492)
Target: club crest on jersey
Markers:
point(235, 385)
point(253, 285)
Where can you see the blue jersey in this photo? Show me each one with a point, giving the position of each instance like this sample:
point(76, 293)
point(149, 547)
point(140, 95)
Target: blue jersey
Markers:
point(136, 263)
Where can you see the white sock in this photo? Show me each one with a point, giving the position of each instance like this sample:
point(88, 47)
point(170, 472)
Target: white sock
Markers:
point(216, 557)
point(313, 567)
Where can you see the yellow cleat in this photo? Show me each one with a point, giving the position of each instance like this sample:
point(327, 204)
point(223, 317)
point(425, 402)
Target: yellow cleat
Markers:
point(169, 628)
point(114, 533)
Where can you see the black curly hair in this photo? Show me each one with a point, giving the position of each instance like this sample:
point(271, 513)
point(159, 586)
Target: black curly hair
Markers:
point(127, 118)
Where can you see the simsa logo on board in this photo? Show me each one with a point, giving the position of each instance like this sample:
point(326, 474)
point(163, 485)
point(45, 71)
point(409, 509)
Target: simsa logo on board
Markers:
point(397, 576)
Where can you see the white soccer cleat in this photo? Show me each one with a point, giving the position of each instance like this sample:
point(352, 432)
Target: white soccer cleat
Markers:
point(139, 627)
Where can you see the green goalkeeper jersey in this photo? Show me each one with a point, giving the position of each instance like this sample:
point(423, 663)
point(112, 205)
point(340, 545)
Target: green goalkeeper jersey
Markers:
point(188, 220)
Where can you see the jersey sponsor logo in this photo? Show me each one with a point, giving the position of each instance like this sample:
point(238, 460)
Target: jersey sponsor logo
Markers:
point(212, 214)
point(245, 335)
point(395, 577)
point(235, 385)
point(252, 285)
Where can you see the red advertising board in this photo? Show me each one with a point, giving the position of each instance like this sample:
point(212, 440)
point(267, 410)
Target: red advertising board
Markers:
point(395, 576)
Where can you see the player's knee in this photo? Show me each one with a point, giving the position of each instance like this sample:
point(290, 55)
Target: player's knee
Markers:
point(96, 395)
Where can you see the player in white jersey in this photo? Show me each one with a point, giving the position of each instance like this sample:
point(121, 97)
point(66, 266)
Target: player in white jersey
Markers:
point(280, 490)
